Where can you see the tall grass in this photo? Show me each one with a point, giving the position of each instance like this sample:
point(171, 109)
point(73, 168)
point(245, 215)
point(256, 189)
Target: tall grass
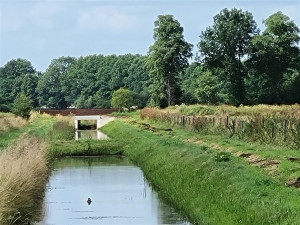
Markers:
point(23, 176)
point(63, 129)
point(279, 125)
point(10, 122)
point(285, 111)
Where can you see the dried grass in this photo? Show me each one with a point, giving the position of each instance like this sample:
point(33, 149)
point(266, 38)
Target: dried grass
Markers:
point(11, 122)
point(279, 125)
point(23, 175)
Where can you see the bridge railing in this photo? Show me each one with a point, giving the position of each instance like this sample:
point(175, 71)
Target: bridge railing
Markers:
point(77, 112)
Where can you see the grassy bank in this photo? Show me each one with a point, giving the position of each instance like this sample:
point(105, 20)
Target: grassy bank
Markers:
point(23, 175)
point(209, 187)
point(24, 169)
point(279, 157)
point(38, 125)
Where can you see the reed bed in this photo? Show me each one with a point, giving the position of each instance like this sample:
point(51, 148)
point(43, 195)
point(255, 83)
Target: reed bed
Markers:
point(23, 175)
point(279, 125)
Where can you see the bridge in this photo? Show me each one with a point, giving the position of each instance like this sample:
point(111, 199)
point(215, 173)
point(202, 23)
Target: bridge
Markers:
point(97, 115)
point(77, 112)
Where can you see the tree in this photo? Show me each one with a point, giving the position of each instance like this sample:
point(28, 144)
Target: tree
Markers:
point(122, 98)
point(224, 45)
point(207, 90)
point(188, 84)
point(13, 76)
point(274, 59)
point(22, 106)
point(49, 88)
point(167, 57)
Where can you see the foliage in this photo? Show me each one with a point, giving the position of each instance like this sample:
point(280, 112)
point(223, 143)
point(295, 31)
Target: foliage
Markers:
point(187, 82)
point(167, 58)
point(224, 44)
point(49, 87)
point(274, 62)
point(207, 88)
point(122, 98)
point(22, 106)
point(16, 76)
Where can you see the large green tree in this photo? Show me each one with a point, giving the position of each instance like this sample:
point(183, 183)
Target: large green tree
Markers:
point(224, 45)
point(16, 76)
point(274, 63)
point(167, 58)
point(49, 88)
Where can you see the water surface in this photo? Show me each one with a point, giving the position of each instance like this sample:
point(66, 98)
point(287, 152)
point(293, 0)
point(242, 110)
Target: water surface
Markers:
point(118, 190)
point(90, 134)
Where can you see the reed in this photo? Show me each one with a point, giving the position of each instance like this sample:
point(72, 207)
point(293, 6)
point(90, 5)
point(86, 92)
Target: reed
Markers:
point(23, 175)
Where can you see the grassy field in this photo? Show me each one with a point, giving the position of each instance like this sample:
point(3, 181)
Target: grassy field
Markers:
point(209, 178)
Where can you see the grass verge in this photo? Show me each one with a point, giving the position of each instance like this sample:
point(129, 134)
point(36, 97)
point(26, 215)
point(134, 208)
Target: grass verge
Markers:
point(208, 189)
point(23, 176)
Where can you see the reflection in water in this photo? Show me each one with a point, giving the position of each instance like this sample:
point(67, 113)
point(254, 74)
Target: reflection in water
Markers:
point(89, 134)
point(117, 191)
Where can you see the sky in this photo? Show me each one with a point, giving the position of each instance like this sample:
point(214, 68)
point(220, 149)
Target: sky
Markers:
point(42, 30)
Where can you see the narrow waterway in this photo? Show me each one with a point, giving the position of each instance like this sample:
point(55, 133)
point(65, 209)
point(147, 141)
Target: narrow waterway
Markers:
point(118, 191)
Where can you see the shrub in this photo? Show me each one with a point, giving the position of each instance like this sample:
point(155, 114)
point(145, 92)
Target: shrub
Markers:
point(22, 106)
point(122, 98)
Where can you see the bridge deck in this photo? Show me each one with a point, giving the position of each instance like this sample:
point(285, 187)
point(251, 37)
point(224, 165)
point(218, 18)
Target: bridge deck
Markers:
point(77, 112)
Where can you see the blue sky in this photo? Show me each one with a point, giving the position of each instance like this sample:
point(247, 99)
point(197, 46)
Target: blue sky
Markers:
point(41, 30)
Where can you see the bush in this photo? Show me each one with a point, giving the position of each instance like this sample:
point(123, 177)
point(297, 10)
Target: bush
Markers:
point(22, 106)
point(4, 108)
point(122, 98)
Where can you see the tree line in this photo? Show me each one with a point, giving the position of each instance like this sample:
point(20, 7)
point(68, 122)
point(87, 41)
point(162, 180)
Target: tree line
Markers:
point(236, 64)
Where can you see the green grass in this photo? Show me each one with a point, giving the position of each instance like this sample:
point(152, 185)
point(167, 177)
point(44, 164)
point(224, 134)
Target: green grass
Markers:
point(286, 169)
point(209, 191)
point(40, 127)
point(85, 148)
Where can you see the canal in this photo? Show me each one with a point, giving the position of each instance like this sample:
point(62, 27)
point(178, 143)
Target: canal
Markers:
point(118, 191)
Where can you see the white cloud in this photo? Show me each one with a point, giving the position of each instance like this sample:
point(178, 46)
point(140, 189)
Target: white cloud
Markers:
point(106, 18)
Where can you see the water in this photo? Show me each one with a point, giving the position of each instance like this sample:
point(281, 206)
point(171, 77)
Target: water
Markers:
point(90, 134)
point(118, 190)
